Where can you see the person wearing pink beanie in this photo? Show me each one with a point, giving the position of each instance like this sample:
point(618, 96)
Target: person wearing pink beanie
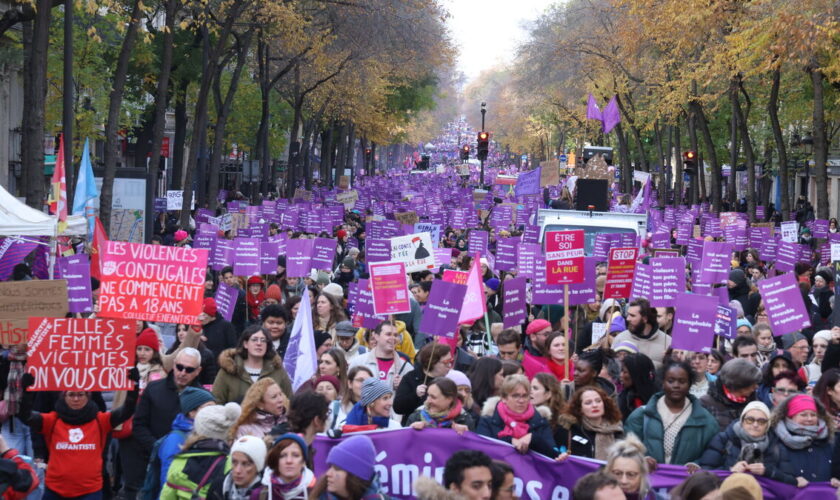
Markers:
point(805, 434)
point(533, 360)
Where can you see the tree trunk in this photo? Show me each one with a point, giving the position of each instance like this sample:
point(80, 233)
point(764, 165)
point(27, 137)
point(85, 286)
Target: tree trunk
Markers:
point(820, 144)
point(748, 148)
point(180, 139)
point(327, 148)
point(222, 114)
point(35, 101)
point(773, 112)
point(350, 160)
point(709, 153)
point(678, 173)
point(698, 168)
point(341, 155)
point(200, 118)
point(732, 188)
point(112, 123)
point(162, 92)
point(624, 154)
point(262, 147)
point(669, 161)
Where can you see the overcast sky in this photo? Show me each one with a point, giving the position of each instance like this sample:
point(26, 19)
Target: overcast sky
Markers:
point(487, 31)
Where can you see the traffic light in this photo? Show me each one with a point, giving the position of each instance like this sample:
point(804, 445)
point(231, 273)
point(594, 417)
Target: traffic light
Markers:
point(689, 162)
point(465, 152)
point(483, 145)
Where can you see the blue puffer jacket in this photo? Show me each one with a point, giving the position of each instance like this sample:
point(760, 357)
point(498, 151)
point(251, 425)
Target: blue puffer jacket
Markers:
point(171, 445)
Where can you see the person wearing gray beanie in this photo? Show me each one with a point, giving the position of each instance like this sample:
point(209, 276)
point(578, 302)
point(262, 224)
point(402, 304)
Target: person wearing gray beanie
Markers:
point(205, 450)
point(375, 406)
point(356, 456)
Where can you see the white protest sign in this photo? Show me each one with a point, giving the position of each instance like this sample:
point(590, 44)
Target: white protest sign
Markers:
point(432, 229)
point(641, 176)
point(415, 250)
point(175, 200)
point(790, 231)
point(835, 252)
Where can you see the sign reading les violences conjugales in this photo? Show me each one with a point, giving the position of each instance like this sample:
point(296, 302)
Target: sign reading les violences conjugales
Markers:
point(80, 354)
point(152, 282)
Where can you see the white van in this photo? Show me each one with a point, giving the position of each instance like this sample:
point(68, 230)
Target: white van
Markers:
point(592, 223)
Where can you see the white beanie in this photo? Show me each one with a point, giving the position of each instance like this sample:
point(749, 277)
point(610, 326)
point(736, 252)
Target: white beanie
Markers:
point(756, 405)
point(215, 421)
point(823, 334)
point(253, 447)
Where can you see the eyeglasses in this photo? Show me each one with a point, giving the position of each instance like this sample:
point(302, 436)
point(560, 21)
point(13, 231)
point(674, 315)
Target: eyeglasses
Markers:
point(753, 421)
point(258, 340)
point(520, 396)
point(785, 392)
point(185, 369)
point(76, 395)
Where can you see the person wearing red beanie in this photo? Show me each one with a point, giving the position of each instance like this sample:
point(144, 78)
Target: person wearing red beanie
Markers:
point(255, 297)
point(273, 295)
point(218, 334)
point(533, 360)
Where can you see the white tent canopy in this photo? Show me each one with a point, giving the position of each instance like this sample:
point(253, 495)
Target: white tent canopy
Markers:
point(19, 219)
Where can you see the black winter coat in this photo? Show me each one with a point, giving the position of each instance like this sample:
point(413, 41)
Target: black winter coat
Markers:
point(209, 366)
point(220, 335)
point(722, 408)
point(406, 399)
point(158, 406)
point(491, 424)
point(579, 441)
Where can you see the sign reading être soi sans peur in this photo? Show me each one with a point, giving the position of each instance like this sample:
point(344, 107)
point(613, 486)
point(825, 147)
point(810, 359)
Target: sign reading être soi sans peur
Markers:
point(80, 354)
point(564, 257)
point(152, 283)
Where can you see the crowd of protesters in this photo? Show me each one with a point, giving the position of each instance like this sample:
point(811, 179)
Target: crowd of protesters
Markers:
point(213, 413)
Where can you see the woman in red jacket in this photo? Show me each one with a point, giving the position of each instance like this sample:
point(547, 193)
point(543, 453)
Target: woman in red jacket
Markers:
point(75, 434)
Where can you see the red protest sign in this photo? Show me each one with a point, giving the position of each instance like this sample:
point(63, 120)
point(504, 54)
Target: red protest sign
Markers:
point(622, 267)
point(389, 285)
point(564, 257)
point(152, 282)
point(81, 354)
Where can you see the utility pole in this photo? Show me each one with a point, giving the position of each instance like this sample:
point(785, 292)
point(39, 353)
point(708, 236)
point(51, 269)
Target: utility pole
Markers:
point(67, 102)
point(481, 158)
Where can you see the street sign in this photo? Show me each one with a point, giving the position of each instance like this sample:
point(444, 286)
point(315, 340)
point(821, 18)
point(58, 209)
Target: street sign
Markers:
point(564, 257)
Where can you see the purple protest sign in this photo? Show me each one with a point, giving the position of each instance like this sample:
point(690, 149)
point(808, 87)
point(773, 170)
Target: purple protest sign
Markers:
point(76, 270)
point(440, 317)
point(226, 297)
point(694, 323)
point(820, 228)
point(222, 254)
point(537, 477)
point(725, 322)
point(506, 254)
point(514, 308)
point(269, 250)
point(299, 257)
point(694, 252)
point(642, 281)
point(160, 205)
point(684, 232)
point(667, 280)
point(323, 253)
point(716, 262)
point(477, 241)
point(601, 246)
point(579, 293)
point(246, 260)
point(787, 255)
point(527, 255)
point(784, 304)
point(661, 240)
point(769, 249)
point(378, 250)
point(363, 316)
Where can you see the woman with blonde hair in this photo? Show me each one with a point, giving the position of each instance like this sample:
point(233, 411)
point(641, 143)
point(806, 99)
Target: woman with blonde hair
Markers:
point(626, 462)
point(263, 407)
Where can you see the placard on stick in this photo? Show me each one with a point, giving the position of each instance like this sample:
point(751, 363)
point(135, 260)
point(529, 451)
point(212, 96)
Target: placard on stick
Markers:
point(564, 257)
point(80, 354)
point(389, 284)
point(620, 270)
point(152, 282)
point(19, 300)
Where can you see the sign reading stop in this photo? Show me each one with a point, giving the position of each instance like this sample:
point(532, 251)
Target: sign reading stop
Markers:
point(564, 257)
point(620, 271)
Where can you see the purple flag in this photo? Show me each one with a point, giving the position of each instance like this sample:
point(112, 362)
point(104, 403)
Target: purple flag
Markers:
point(694, 323)
point(226, 297)
point(612, 115)
point(514, 308)
point(593, 112)
point(784, 304)
point(443, 309)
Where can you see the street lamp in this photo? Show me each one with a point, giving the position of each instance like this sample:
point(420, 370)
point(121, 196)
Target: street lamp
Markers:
point(483, 112)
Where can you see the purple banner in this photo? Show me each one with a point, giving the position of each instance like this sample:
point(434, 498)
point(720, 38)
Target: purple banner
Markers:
point(784, 304)
point(440, 317)
point(226, 297)
point(661, 240)
point(76, 270)
point(694, 323)
point(299, 257)
point(694, 253)
point(642, 281)
point(537, 478)
point(246, 260)
point(528, 182)
point(787, 255)
point(514, 308)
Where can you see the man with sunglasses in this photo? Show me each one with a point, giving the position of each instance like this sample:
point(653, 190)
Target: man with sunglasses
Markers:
point(160, 403)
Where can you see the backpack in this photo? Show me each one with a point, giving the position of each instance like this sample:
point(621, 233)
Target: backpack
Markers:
point(181, 480)
point(151, 484)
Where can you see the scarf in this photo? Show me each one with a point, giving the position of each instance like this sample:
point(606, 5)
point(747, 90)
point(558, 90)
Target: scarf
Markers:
point(672, 424)
point(732, 397)
point(516, 424)
point(443, 419)
point(604, 435)
point(359, 416)
point(14, 387)
point(75, 417)
point(279, 489)
point(233, 492)
point(750, 444)
point(559, 369)
point(799, 437)
point(254, 302)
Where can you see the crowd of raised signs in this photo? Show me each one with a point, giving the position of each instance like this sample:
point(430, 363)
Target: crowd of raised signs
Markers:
point(723, 355)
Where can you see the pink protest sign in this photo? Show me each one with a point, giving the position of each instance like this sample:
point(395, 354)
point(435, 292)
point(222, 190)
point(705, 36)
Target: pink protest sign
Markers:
point(152, 282)
point(389, 285)
point(564, 257)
